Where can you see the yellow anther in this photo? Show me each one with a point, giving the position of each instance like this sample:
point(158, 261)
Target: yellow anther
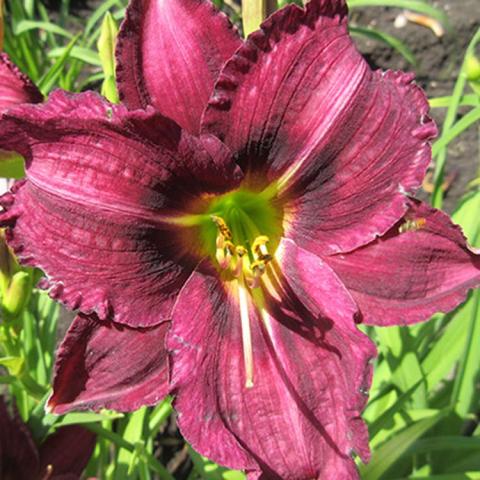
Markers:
point(237, 268)
point(254, 273)
point(259, 248)
point(240, 250)
point(222, 226)
point(230, 247)
point(258, 268)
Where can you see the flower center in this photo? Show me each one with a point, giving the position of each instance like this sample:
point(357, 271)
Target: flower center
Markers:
point(241, 233)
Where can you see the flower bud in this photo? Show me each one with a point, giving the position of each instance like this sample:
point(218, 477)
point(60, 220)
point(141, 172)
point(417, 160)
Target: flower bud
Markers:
point(17, 294)
point(14, 365)
point(106, 50)
point(472, 68)
point(8, 264)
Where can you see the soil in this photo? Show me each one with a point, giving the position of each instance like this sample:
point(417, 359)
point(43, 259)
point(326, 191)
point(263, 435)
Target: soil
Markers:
point(439, 60)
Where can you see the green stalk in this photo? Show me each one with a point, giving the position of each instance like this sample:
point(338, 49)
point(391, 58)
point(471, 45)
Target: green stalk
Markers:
point(465, 391)
point(254, 12)
point(437, 196)
point(153, 463)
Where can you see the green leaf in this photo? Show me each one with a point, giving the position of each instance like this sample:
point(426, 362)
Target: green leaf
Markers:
point(445, 351)
point(435, 444)
point(209, 470)
point(415, 5)
point(388, 453)
point(120, 442)
point(465, 122)
point(465, 393)
point(468, 100)
point(27, 25)
point(390, 40)
point(86, 417)
point(84, 54)
point(452, 476)
point(13, 364)
point(11, 165)
point(387, 417)
point(458, 89)
point(466, 215)
point(47, 82)
point(133, 432)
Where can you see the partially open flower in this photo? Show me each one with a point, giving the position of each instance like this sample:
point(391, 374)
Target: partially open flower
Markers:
point(15, 88)
point(61, 456)
point(257, 196)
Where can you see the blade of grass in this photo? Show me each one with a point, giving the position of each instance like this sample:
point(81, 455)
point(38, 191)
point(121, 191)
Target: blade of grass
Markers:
point(119, 441)
point(433, 444)
point(27, 25)
point(48, 81)
point(415, 5)
point(383, 420)
point(465, 122)
point(390, 452)
point(437, 196)
point(453, 476)
point(468, 100)
point(465, 391)
point(134, 433)
point(390, 40)
point(85, 54)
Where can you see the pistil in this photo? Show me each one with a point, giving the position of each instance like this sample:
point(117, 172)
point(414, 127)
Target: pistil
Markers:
point(246, 334)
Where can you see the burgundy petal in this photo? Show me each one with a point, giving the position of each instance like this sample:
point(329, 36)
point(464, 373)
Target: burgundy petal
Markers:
point(104, 365)
point(18, 453)
point(169, 54)
point(403, 278)
point(341, 144)
point(301, 418)
point(67, 452)
point(15, 87)
point(95, 213)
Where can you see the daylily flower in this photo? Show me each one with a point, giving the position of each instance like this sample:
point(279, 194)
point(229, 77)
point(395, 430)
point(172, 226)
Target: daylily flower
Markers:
point(63, 455)
point(15, 88)
point(257, 195)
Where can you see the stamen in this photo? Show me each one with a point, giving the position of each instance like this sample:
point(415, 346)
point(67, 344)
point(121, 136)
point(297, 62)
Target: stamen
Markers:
point(222, 226)
point(237, 258)
point(48, 472)
point(254, 273)
point(259, 248)
point(246, 335)
point(238, 267)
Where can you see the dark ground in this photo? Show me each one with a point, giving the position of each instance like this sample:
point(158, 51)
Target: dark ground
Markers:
point(439, 61)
